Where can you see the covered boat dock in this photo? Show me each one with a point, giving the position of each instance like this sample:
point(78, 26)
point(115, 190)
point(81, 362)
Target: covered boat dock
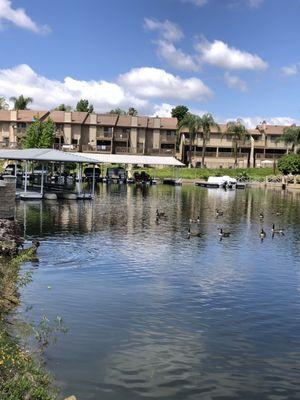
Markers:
point(46, 156)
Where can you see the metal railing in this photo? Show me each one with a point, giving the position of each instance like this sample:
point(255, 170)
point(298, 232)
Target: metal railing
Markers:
point(10, 145)
point(121, 135)
point(96, 149)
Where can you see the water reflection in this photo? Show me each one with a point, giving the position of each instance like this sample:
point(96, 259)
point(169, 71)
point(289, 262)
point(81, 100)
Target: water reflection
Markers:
point(152, 314)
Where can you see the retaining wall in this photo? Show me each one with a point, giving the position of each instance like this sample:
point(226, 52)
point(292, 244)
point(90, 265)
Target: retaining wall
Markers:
point(7, 196)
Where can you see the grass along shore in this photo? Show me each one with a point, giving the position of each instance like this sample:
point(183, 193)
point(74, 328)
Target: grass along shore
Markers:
point(253, 174)
point(21, 375)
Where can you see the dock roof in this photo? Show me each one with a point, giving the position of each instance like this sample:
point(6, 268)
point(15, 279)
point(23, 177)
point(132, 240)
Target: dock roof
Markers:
point(91, 158)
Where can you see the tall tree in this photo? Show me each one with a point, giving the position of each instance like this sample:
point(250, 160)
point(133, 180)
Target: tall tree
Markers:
point(207, 122)
point(21, 102)
point(291, 135)
point(132, 111)
point(238, 132)
point(193, 123)
point(3, 104)
point(118, 111)
point(63, 107)
point(84, 106)
point(179, 112)
point(40, 134)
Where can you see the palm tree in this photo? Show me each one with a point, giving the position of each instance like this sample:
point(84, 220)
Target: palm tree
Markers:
point(291, 135)
point(237, 131)
point(3, 104)
point(193, 123)
point(207, 122)
point(21, 102)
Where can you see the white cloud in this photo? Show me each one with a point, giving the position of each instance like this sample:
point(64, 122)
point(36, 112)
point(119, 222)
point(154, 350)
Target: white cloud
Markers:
point(156, 83)
point(234, 82)
point(252, 122)
point(140, 88)
point(198, 3)
point(219, 54)
point(49, 93)
point(167, 29)
point(176, 57)
point(19, 17)
point(163, 110)
point(290, 70)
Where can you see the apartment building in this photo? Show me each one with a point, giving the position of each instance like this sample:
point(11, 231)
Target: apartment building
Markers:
point(117, 134)
point(258, 150)
point(101, 133)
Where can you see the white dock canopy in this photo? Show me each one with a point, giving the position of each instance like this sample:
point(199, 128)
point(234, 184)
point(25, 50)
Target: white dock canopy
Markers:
point(44, 155)
point(131, 159)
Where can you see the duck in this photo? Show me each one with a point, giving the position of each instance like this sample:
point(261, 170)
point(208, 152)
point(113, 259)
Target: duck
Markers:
point(261, 215)
point(196, 234)
point(195, 221)
point(219, 213)
point(160, 214)
point(223, 234)
point(262, 234)
point(278, 231)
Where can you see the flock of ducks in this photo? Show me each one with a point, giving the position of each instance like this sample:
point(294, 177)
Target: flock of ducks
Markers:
point(222, 234)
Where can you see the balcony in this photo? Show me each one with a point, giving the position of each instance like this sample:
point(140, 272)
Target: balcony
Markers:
point(160, 152)
point(10, 145)
point(123, 150)
point(168, 139)
point(121, 135)
point(269, 156)
point(96, 149)
point(104, 134)
point(20, 132)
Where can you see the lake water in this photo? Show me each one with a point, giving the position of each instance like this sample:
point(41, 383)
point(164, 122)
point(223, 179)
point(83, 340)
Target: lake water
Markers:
point(151, 314)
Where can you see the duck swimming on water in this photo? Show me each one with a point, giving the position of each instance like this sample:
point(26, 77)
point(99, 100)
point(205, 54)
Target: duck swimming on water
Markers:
point(261, 215)
point(196, 234)
point(195, 221)
point(262, 234)
point(278, 231)
point(223, 234)
point(219, 213)
point(160, 214)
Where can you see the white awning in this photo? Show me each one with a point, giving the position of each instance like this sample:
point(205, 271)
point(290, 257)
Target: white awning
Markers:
point(42, 155)
point(132, 159)
point(93, 158)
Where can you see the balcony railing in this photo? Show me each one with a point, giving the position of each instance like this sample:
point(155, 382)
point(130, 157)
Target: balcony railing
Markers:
point(123, 150)
point(121, 135)
point(10, 145)
point(96, 149)
point(104, 135)
point(167, 139)
point(268, 156)
point(20, 132)
point(222, 154)
point(166, 152)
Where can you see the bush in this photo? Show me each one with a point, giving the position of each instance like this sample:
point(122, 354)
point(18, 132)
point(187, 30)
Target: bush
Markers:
point(289, 164)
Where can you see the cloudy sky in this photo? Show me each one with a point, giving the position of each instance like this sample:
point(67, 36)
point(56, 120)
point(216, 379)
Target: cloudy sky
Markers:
point(233, 58)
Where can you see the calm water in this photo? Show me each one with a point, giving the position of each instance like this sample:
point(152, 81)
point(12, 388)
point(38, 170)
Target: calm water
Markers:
point(152, 314)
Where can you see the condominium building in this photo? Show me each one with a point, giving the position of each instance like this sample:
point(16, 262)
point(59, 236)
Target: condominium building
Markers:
point(259, 149)
point(117, 134)
point(89, 132)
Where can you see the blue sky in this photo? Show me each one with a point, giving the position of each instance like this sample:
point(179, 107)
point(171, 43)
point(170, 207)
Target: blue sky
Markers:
point(233, 58)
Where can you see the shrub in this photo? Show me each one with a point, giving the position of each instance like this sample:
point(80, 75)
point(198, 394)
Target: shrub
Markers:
point(289, 164)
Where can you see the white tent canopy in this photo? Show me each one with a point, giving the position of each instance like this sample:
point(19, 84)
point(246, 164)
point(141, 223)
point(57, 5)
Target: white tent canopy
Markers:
point(44, 155)
point(132, 159)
